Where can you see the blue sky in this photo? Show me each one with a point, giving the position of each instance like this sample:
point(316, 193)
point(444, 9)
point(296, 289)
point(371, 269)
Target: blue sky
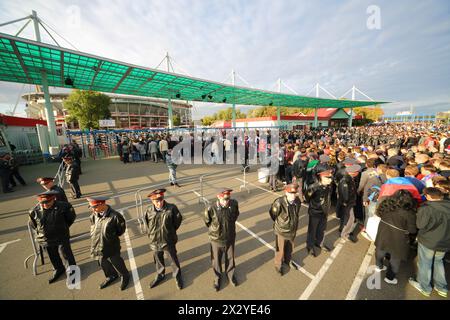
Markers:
point(406, 61)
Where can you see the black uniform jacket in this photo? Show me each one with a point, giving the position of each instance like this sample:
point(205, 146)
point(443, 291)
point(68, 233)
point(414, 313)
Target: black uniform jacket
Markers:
point(221, 222)
point(285, 217)
point(52, 225)
point(105, 233)
point(319, 198)
point(162, 225)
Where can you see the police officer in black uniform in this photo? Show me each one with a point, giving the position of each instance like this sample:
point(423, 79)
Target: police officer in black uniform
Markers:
point(48, 184)
point(52, 219)
point(221, 218)
point(163, 220)
point(285, 214)
point(107, 225)
point(72, 176)
point(318, 196)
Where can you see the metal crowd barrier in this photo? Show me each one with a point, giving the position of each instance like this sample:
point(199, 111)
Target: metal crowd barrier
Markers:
point(202, 198)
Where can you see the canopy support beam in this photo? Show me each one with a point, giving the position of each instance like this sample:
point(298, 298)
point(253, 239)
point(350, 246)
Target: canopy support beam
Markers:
point(51, 126)
point(233, 107)
point(316, 122)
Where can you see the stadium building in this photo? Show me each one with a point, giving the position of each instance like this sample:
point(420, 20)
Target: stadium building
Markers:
point(129, 112)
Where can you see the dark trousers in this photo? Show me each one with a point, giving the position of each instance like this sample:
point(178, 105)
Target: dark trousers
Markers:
point(113, 265)
point(76, 191)
point(394, 263)
point(288, 173)
point(317, 225)
point(126, 157)
point(5, 182)
point(283, 250)
point(16, 174)
point(158, 257)
point(64, 250)
point(219, 251)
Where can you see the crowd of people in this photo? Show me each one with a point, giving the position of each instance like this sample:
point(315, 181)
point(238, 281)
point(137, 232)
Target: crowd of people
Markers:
point(391, 178)
point(389, 184)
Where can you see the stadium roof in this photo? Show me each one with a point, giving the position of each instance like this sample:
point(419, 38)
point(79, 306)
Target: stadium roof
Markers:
point(22, 60)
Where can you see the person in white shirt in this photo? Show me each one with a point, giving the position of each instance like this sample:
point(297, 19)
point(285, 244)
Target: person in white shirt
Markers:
point(163, 147)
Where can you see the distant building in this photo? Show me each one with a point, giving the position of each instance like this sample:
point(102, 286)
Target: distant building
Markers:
point(129, 112)
point(329, 117)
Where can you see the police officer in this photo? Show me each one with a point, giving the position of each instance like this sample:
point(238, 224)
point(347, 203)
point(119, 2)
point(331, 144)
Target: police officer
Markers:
point(347, 200)
point(52, 219)
point(48, 184)
point(163, 220)
point(221, 218)
point(318, 196)
point(72, 176)
point(285, 214)
point(107, 225)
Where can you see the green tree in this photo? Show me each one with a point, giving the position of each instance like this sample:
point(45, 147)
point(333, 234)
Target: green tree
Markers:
point(226, 114)
point(176, 120)
point(208, 120)
point(372, 114)
point(268, 111)
point(87, 107)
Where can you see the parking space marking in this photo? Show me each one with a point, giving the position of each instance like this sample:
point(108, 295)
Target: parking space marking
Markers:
point(323, 270)
point(361, 273)
point(134, 272)
point(3, 245)
point(301, 269)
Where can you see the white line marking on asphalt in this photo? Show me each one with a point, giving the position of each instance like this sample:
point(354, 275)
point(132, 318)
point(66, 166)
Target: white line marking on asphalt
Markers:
point(301, 269)
point(134, 272)
point(3, 245)
point(318, 277)
point(361, 273)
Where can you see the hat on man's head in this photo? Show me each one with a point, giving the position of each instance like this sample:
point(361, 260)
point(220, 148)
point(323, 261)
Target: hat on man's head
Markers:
point(44, 180)
point(324, 169)
point(353, 168)
point(95, 201)
point(291, 188)
point(349, 162)
point(221, 192)
point(47, 195)
point(156, 194)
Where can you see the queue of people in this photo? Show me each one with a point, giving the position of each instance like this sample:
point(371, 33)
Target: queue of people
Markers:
point(398, 174)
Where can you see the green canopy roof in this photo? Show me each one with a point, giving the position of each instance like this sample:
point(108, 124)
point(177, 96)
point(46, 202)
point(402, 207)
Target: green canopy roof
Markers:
point(23, 60)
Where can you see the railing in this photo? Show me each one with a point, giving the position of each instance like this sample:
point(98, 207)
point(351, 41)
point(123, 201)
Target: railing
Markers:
point(60, 175)
point(202, 198)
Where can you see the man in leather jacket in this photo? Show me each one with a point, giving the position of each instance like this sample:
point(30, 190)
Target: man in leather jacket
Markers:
point(285, 214)
point(47, 184)
point(163, 220)
point(347, 200)
point(221, 218)
point(318, 195)
point(52, 219)
point(107, 225)
point(72, 176)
